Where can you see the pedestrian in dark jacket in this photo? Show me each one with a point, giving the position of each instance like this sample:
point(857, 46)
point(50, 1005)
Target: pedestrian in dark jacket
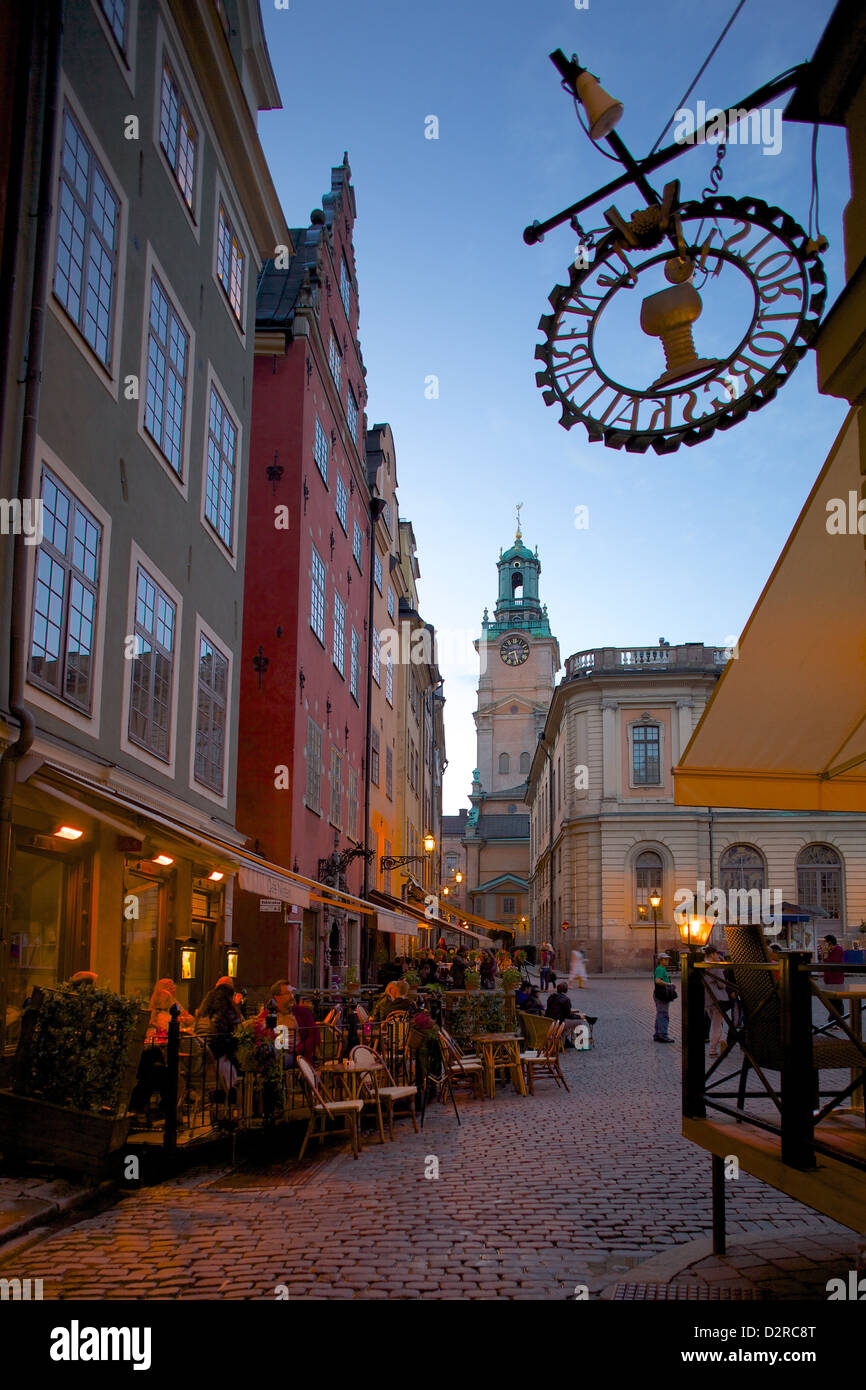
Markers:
point(488, 970)
point(559, 1004)
point(458, 970)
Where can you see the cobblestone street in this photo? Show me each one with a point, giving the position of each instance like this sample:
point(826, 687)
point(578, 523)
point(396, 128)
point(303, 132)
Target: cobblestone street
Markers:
point(534, 1196)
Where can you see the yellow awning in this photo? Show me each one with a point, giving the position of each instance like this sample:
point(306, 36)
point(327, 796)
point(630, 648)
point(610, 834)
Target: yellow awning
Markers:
point(785, 727)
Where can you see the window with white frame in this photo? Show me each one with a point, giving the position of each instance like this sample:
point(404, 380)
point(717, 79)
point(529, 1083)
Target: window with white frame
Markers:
point(389, 679)
point(352, 414)
point(389, 772)
point(210, 720)
point(152, 667)
point(376, 655)
point(357, 544)
point(342, 503)
point(649, 876)
point(335, 359)
point(345, 286)
point(65, 598)
point(317, 596)
point(167, 371)
point(222, 440)
point(177, 136)
point(390, 603)
point(116, 13)
point(313, 751)
point(320, 449)
point(230, 263)
point(509, 907)
point(339, 632)
point(336, 788)
point(355, 664)
point(352, 804)
point(377, 571)
point(646, 764)
point(88, 238)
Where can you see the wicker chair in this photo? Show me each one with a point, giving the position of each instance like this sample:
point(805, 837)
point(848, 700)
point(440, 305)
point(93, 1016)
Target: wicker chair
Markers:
point(322, 1109)
point(545, 1059)
point(535, 1029)
point(389, 1093)
point(463, 1068)
point(761, 1034)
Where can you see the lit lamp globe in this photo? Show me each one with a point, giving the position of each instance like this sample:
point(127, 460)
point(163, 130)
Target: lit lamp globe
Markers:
point(429, 843)
point(695, 931)
point(458, 877)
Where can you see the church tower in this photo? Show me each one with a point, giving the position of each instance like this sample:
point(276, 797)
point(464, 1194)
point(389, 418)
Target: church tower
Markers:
point(519, 661)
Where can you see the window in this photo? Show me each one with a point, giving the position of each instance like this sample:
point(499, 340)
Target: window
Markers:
point(390, 603)
point(345, 286)
point(451, 863)
point(646, 766)
point(377, 572)
point(335, 359)
point(355, 664)
point(376, 656)
point(167, 365)
point(389, 772)
point(342, 502)
point(320, 449)
point(152, 667)
point(504, 763)
point(648, 880)
point(317, 596)
point(374, 758)
point(115, 12)
point(88, 235)
point(357, 542)
point(336, 788)
point(819, 879)
point(178, 138)
point(65, 596)
point(352, 804)
point(222, 439)
point(313, 791)
point(210, 723)
point(339, 633)
point(352, 414)
point(509, 907)
point(389, 679)
point(524, 762)
point(230, 263)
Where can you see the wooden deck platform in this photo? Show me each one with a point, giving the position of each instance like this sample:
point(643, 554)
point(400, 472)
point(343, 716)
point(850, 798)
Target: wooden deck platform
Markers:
point(834, 1188)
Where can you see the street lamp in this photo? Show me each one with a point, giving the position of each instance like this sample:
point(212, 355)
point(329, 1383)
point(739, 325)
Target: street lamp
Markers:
point(695, 932)
point(458, 877)
point(429, 843)
point(655, 903)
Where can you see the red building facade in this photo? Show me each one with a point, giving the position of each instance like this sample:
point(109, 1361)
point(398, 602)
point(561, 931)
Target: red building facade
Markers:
point(305, 647)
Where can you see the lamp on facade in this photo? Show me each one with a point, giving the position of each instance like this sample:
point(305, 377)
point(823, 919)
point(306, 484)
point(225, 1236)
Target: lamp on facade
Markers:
point(602, 110)
point(429, 843)
point(458, 877)
point(67, 832)
point(188, 956)
point(232, 952)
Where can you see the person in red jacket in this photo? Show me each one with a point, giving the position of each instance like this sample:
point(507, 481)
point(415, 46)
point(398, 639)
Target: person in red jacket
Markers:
point(834, 955)
point(298, 1018)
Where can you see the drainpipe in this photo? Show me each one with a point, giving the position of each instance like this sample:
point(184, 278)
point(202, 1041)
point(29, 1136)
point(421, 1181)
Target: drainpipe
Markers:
point(377, 507)
point(50, 42)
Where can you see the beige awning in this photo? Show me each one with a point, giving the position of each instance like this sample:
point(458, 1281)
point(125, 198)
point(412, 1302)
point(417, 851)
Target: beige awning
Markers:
point(785, 727)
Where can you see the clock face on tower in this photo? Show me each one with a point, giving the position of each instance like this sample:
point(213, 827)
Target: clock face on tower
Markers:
point(514, 651)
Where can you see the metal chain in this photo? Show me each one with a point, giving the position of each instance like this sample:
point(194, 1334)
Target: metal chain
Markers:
point(716, 173)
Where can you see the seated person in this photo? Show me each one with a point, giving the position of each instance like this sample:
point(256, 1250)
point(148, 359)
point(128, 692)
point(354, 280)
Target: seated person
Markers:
point(298, 1018)
point(152, 1069)
point(560, 1010)
point(394, 1000)
point(532, 1003)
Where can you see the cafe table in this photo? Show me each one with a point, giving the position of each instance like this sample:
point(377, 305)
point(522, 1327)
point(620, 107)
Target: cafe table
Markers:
point(855, 1023)
point(350, 1077)
point(500, 1052)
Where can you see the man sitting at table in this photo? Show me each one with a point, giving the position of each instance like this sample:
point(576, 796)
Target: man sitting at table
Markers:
point(298, 1018)
point(559, 1008)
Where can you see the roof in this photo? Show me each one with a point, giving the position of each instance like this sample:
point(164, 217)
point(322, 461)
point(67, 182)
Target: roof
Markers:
point(513, 827)
point(518, 551)
point(455, 825)
point(277, 290)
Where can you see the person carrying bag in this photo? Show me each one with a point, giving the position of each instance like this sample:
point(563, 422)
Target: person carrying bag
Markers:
point(663, 993)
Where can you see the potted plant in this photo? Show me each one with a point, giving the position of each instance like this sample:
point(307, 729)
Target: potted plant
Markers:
point(511, 978)
point(412, 978)
point(472, 979)
point(75, 1069)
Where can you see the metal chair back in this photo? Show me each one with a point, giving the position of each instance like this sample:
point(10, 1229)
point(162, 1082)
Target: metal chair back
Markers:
point(758, 991)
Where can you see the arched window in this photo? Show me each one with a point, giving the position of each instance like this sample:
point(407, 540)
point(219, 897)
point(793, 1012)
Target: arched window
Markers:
point(819, 879)
point(517, 584)
point(504, 763)
point(648, 880)
point(742, 879)
point(524, 762)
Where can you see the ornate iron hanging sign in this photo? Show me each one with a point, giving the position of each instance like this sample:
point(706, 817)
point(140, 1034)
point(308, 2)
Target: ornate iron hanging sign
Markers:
point(753, 264)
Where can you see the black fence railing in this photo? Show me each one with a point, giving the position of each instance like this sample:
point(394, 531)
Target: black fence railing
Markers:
point(776, 1034)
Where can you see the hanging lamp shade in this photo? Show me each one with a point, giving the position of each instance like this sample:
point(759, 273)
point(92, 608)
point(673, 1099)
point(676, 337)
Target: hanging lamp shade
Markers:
point(602, 110)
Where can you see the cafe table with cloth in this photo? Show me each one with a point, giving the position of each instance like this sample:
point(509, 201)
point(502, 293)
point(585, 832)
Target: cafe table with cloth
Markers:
point(500, 1052)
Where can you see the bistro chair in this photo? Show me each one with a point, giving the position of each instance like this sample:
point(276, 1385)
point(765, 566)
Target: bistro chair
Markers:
point(393, 1040)
point(324, 1110)
point(545, 1059)
point(462, 1069)
point(761, 1034)
point(535, 1029)
point(390, 1093)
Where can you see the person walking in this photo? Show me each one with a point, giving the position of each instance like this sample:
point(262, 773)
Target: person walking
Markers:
point(717, 1000)
point(663, 994)
point(546, 961)
point(577, 969)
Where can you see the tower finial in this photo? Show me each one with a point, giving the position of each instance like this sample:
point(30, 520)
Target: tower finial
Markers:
point(519, 533)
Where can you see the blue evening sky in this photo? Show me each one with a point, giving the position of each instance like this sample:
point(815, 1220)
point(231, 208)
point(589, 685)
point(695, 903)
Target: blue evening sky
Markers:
point(677, 547)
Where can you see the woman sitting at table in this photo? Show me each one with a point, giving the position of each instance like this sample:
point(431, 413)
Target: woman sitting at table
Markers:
point(393, 1001)
point(152, 1069)
point(216, 1021)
